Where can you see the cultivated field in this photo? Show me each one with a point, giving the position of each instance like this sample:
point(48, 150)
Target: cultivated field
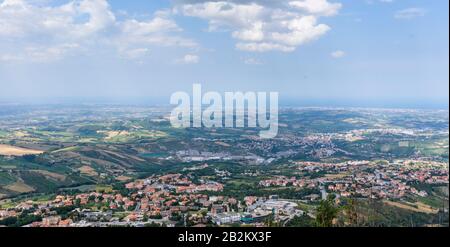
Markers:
point(17, 151)
point(88, 171)
point(417, 207)
point(20, 187)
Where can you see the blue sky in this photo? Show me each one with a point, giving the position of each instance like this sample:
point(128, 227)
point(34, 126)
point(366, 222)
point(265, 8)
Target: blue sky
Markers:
point(325, 51)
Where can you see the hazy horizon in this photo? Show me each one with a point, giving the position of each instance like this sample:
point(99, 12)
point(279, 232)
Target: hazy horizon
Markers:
point(284, 102)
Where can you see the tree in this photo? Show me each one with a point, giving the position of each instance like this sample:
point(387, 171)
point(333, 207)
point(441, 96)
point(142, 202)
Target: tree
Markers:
point(301, 221)
point(351, 212)
point(153, 224)
point(326, 212)
point(271, 222)
point(156, 217)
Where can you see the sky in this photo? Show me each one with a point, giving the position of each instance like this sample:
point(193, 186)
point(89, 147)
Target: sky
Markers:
point(324, 51)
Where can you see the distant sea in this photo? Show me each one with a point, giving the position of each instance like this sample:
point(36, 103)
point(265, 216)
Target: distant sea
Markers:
point(284, 102)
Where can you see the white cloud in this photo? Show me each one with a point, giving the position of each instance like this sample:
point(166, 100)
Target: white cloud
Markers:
point(39, 33)
point(220, 14)
point(300, 31)
point(35, 31)
point(134, 53)
point(18, 18)
point(252, 61)
point(260, 27)
point(39, 53)
point(317, 7)
point(134, 35)
point(410, 13)
point(264, 47)
point(253, 33)
point(188, 59)
point(338, 54)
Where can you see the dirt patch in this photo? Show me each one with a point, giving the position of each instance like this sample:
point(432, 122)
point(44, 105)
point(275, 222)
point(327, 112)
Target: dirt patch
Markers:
point(20, 134)
point(112, 134)
point(416, 207)
point(19, 187)
point(123, 178)
point(426, 208)
point(87, 170)
point(17, 151)
point(53, 175)
point(336, 176)
point(68, 149)
point(223, 144)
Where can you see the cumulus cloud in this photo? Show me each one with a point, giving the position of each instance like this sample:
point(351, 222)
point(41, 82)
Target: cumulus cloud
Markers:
point(252, 61)
point(318, 7)
point(39, 53)
point(410, 13)
point(136, 36)
point(19, 19)
point(134, 53)
point(188, 59)
point(37, 32)
point(338, 54)
point(264, 47)
point(261, 26)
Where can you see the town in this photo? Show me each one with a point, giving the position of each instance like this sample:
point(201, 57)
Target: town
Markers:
point(175, 200)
